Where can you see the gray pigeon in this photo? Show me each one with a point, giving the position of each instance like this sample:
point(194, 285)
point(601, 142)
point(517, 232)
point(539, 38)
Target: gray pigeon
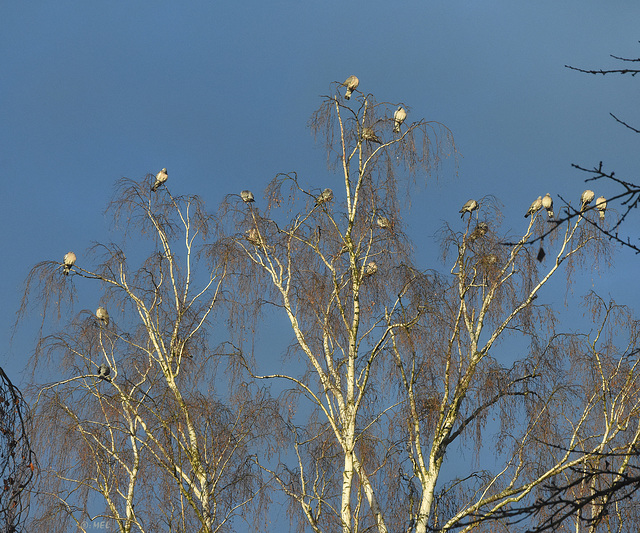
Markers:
point(586, 198)
point(247, 196)
point(370, 269)
point(479, 231)
point(369, 135)
point(68, 262)
point(253, 236)
point(547, 203)
point(535, 207)
point(471, 205)
point(399, 117)
point(161, 177)
point(103, 316)
point(325, 196)
point(351, 83)
point(601, 206)
point(383, 222)
point(103, 372)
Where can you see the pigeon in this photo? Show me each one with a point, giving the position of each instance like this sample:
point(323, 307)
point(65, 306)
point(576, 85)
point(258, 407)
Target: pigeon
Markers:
point(247, 196)
point(535, 207)
point(103, 372)
point(253, 236)
point(325, 196)
point(370, 269)
point(68, 262)
point(161, 177)
point(547, 203)
point(399, 117)
point(351, 83)
point(601, 206)
point(586, 198)
point(383, 222)
point(471, 205)
point(369, 135)
point(102, 315)
point(479, 231)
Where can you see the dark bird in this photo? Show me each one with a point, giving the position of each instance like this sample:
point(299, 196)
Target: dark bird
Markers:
point(102, 315)
point(247, 196)
point(351, 83)
point(399, 117)
point(535, 207)
point(547, 203)
point(161, 177)
point(471, 205)
point(68, 262)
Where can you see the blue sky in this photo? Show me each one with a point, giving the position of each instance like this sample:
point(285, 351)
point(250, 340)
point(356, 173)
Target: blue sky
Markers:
point(220, 93)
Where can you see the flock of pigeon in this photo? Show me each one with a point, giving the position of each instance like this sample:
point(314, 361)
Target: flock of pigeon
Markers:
point(546, 202)
point(400, 115)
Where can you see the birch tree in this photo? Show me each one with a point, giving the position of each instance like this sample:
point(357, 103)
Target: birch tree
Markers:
point(131, 426)
point(396, 368)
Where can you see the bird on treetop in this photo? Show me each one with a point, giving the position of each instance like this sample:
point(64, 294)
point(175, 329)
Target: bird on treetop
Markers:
point(471, 205)
point(535, 207)
point(547, 203)
point(247, 196)
point(68, 262)
point(161, 177)
point(399, 117)
point(351, 83)
point(586, 198)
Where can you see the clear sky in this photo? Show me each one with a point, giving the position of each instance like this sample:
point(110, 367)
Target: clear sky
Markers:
point(220, 93)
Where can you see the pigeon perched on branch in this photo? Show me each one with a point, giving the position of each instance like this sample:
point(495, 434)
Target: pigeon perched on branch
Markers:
point(383, 222)
point(399, 117)
point(369, 135)
point(471, 205)
point(586, 198)
point(324, 196)
point(161, 177)
point(103, 372)
point(247, 196)
point(351, 83)
point(103, 316)
point(370, 269)
point(601, 206)
point(68, 262)
point(547, 203)
point(535, 207)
